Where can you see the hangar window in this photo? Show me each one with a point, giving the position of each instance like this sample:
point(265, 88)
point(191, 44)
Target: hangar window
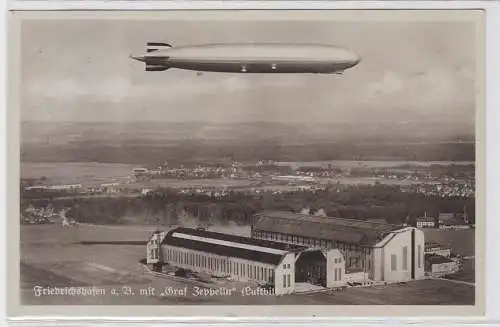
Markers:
point(393, 262)
point(405, 257)
point(419, 256)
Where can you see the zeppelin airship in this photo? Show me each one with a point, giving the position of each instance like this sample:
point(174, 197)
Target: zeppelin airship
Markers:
point(249, 58)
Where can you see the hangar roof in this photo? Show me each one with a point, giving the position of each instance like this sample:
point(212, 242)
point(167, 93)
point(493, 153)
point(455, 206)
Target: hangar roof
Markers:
point(230, 245)
point(349, 231)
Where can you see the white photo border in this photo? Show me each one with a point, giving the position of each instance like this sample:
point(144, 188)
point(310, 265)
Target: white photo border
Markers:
point(492, 154)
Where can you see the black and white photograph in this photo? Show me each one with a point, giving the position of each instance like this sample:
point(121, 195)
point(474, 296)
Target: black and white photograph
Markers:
point(278, 159)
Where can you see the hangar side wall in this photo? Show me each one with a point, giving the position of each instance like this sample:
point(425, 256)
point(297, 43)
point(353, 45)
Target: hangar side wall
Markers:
point(397, 256)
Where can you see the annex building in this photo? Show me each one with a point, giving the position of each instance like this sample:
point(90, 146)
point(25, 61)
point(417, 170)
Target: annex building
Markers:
point(379, 251)
point(262, 262)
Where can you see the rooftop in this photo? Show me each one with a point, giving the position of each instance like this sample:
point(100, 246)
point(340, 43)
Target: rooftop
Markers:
point(230, 245)
point(350, 231)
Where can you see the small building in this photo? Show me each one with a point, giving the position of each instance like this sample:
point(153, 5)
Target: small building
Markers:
point(425, 222)
point(140, 173)
point(245, 259)
point(432, 248)
point(452, 221)
point(146, 191)
point(438, 265)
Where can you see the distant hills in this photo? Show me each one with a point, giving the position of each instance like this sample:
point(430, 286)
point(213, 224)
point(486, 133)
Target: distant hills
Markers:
point(280, 133)
point(159, 141)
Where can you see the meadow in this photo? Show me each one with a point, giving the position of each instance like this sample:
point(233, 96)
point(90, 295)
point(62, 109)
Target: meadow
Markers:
point(76, 172)
point(94, 173)
point(372, 163)
point(459, 241)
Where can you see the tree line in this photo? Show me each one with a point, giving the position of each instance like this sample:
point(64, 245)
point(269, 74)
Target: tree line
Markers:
point(165, 206)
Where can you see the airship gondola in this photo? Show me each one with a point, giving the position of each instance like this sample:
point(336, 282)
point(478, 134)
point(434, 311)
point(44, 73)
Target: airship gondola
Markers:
point(249, 58)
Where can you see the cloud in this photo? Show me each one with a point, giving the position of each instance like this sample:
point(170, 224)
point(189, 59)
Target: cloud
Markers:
point(174, 87)
point(109, 90)
point(390, 84)
point(439, 89)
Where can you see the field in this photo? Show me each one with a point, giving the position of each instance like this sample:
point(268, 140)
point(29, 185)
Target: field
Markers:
point(54, 256)
point(76, 173)
point(188, 183)
point(372, 163)
point(367, 181)
point(98, 173)
point(459, 241)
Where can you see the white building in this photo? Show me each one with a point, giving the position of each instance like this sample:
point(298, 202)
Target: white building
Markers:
point(245, 259)
point(382, 252)
point(438, 265)
point(426, 222)
point(432, 248)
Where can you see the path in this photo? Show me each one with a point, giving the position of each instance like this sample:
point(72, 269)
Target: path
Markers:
point(455, 281)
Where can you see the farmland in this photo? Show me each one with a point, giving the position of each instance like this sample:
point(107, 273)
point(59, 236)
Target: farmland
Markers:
point(93, 173)
point(459, 241)
point(373, 163)
point(75, 172)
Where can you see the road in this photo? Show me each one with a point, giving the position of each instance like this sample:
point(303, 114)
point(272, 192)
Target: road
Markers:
point(455, 281)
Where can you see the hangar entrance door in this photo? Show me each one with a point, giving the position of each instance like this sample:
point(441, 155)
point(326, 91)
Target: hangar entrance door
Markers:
point(311, 268)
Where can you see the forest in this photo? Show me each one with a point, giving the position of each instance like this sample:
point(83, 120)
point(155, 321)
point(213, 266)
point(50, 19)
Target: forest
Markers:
point(166, 206)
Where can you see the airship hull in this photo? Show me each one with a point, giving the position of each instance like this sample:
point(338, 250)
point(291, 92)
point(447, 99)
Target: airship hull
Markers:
point(252, 58)
point(255, 67)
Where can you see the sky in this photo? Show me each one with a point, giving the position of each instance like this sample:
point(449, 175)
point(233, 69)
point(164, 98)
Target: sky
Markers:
point(80, 70)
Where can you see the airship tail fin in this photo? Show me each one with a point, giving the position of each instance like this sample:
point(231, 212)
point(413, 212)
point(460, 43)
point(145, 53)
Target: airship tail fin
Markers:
point(155, 46)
